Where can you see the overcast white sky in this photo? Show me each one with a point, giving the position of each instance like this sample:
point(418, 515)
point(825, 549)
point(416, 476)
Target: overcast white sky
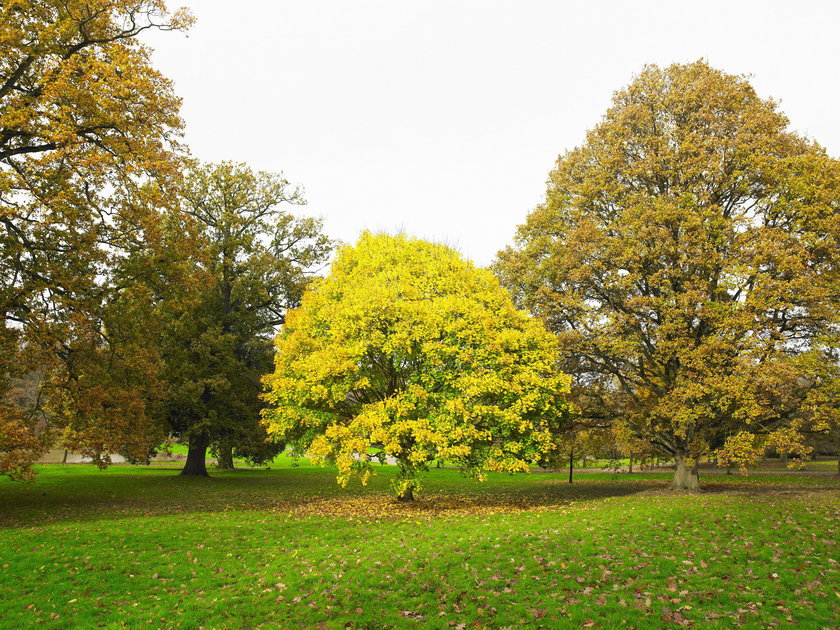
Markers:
point(442, 118)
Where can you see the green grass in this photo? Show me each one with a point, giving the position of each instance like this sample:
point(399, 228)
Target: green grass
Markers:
point(288, 548)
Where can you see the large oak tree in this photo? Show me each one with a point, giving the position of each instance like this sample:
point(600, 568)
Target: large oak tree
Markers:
point(687, 256)
point(88, 149)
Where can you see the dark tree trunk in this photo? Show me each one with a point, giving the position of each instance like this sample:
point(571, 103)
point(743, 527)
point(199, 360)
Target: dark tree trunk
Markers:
point(196, 465)
point(571, 467)
point(406, 495)
point(685, 476)
point(225, 457)
point(64, 460)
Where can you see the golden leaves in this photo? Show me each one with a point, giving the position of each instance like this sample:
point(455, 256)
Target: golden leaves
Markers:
point(431, 506)
point(408, 349)
point(88, 144)
point(687, 256)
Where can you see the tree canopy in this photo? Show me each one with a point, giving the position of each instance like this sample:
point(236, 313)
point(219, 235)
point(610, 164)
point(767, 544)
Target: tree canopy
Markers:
point(254, 260)
point(687, 257)
point(407, 349)
point(88, 151)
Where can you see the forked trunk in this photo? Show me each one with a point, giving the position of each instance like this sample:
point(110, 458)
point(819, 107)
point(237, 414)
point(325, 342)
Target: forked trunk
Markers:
point(685, 476)
point(225, 457)
point(196, 465)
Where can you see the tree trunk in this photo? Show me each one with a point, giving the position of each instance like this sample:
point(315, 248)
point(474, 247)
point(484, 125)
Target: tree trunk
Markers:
point(225, 457)
point(405, 484)
point(685, 476)
point(407, 494)
point(571, 468)
point(196, 466)
point(64, 459)
point(630, 467)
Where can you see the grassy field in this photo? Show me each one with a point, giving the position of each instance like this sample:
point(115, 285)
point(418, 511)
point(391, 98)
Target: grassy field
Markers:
point(287, 548)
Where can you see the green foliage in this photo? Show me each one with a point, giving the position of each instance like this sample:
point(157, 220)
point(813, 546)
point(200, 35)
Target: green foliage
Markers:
point(253, 260)
point(407, 347)
point(687, 256)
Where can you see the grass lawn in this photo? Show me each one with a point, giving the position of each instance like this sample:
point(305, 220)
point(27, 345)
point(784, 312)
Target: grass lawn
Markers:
point(137, 546)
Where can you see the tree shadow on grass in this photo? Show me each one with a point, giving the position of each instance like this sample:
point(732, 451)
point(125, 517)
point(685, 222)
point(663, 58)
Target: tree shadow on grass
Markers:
point(89, 495)
point(62, 496)
point(77, 496)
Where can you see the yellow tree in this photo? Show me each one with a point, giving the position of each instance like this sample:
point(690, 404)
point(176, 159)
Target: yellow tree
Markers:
point(407, 348)
point(88, 150)
point(687, 257)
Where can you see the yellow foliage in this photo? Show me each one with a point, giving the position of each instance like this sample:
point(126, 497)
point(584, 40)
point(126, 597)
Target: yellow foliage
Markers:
point(406, 349)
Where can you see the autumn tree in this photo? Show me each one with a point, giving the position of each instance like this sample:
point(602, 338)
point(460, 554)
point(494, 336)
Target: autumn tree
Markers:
point(20, 445)
point(687, 257)
point(88, 133)
point(578, 441)
point(408, 349)
point(254, 260)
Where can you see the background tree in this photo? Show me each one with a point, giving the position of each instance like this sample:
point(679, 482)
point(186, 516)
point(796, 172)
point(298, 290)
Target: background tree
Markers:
point(20, 441)
point(627, 442)
point(579, 441)
point(688, 252)
point(408, 348)
point(85, 125)
point(255, 261)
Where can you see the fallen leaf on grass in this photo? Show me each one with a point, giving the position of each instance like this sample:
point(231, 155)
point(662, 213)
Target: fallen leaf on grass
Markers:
point(410, 614)
point(674, 616)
